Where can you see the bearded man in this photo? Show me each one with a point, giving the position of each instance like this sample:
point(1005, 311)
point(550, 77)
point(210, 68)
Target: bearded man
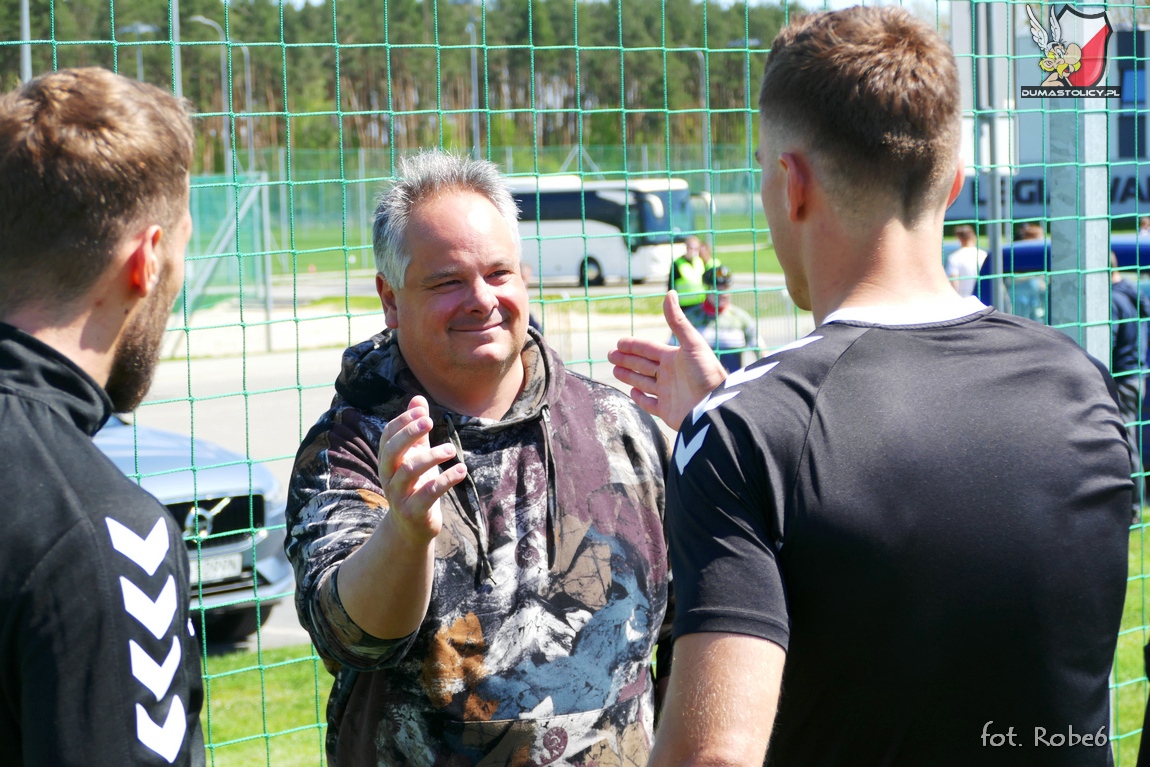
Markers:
point(99, 665)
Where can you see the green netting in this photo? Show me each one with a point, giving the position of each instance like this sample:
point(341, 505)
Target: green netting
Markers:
point(320, 100)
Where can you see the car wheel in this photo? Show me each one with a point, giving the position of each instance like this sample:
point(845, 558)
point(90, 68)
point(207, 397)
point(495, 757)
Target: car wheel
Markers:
point(235, 625)
point(590, 273)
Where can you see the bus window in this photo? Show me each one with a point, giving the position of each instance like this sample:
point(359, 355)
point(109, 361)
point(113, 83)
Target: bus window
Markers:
point(667, 215)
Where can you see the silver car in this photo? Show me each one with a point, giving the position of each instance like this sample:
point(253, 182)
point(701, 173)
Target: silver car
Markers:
point(232, 513)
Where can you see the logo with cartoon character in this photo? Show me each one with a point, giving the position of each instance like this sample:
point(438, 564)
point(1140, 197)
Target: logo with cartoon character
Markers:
point(1072, 62)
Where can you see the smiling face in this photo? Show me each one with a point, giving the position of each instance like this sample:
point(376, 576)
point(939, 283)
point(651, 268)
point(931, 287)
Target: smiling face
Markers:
point(461, 316)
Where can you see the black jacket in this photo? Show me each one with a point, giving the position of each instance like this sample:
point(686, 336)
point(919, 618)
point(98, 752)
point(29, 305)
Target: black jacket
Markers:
point(98, 660)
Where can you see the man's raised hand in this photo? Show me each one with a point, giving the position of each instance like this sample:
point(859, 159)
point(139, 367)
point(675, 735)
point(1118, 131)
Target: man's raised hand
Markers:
point(668, 381)
point(410, 476)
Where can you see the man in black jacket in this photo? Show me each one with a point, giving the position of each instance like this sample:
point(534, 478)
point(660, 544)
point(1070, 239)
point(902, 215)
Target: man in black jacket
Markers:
point(98, 662)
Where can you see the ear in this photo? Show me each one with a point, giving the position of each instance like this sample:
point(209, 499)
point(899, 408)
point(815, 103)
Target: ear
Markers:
point(143, 261)
point(798, 181)
point(387, 301)
point(956, 185)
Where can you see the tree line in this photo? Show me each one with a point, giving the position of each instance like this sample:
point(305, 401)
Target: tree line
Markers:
point(398, 73)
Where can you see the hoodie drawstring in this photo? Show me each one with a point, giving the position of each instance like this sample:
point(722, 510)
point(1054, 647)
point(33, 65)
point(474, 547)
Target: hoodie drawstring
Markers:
point(552, 480)
point(472, 513)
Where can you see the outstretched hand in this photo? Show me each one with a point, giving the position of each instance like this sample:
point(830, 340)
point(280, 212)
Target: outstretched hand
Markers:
point(668, 381)
point(409, 472)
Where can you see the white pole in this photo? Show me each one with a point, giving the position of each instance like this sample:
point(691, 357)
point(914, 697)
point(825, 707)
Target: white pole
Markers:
point(474, 92)
point(265, 246)
point(705, 98)
point(177, 67)
point(248, 107)
point(364, 224)
point(225, 91)
point(26, 48)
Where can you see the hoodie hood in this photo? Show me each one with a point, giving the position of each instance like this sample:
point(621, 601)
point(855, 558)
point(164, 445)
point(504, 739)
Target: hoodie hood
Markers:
point(375, 377)
point(34, 370)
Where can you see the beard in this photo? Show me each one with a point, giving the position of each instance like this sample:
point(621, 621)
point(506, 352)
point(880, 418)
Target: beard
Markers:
point(134, 362)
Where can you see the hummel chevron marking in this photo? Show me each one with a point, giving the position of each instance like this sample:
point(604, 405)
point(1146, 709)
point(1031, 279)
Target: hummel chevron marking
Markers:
point(747, 374)
point(166, 740)
point(148, 552)
point(155, 616)
point(795, 345)
point(685, 452)
point(155, 677)
point(710, 403)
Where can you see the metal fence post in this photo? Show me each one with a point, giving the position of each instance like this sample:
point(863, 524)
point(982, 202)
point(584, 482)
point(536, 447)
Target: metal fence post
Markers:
point(265, 230)
point(1079, 228)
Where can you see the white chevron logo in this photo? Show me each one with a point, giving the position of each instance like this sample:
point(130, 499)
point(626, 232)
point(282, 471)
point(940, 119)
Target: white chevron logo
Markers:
point(685, 452)
point(155, 616)
point(747, 374)
point(148, 552)
point(795, 345)
point(155, 677)
point(166, 740)
point(710, 403)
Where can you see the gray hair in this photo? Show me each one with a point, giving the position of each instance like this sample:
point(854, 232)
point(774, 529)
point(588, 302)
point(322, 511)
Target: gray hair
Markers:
point(422, 177)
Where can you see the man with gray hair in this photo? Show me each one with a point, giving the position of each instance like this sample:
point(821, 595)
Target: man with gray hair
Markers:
point(476, 532)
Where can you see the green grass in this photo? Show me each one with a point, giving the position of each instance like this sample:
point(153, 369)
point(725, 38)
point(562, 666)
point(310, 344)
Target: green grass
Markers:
point(265, 708)
point(1129, 671)
point(613, 305)
point(321, 246)
point(354, 304)
point(762, 261)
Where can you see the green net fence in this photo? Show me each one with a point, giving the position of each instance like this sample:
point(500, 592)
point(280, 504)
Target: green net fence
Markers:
point(303, 109)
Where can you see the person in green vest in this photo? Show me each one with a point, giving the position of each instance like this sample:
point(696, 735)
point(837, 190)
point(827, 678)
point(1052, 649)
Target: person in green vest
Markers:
point(686, 276)
point(729, 330)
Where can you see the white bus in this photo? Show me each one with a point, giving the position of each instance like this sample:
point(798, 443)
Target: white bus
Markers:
point(593, 231)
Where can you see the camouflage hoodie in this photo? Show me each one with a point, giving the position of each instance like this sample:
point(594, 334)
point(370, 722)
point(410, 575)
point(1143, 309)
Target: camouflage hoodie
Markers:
point(550, 575)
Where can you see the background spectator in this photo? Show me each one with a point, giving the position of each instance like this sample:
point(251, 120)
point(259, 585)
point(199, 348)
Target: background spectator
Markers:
point(963, 264)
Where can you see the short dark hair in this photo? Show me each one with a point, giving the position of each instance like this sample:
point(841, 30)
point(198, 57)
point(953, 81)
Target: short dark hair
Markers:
point(873, 92)
point(85, 154)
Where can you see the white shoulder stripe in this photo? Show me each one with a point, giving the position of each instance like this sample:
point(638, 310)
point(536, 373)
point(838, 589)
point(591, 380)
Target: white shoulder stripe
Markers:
point(156, 616)
point(795, 345)
point(710, 402)
point(744, 375)
point(156, 677)
point(148, 552)
point(685, 452)
point(165, 740)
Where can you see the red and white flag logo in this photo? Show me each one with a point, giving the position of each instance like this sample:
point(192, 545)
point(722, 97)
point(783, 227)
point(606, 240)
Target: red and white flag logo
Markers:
point(1092, 32)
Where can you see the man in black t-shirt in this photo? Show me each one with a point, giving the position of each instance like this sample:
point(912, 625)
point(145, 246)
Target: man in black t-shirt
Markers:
point(900, 540)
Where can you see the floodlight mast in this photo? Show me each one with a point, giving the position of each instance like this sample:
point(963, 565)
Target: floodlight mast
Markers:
point(25, 47)
point(747, 46)
point(138, 29)
point(225, 91)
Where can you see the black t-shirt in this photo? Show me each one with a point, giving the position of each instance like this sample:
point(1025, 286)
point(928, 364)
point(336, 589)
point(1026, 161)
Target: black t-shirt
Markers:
point(99, 661)
point(932, 520)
